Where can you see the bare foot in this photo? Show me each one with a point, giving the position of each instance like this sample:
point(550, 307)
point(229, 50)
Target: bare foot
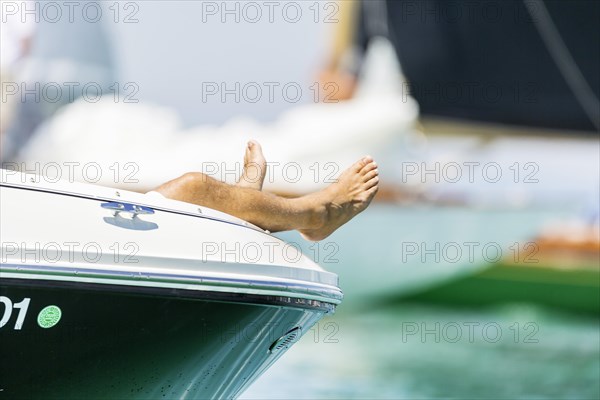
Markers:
point(255, 167)
point(343, 200)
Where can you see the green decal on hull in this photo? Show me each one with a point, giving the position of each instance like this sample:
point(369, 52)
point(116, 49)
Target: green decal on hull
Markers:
point(49, 316)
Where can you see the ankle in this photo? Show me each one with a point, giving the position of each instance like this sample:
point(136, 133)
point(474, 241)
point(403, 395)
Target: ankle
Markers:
point(318, 214)
point(314, 211)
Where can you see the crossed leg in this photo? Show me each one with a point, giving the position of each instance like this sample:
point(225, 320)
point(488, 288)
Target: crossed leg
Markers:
point(315, 216)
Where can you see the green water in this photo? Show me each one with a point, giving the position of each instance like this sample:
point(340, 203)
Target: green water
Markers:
point(419, 351)
point(413, 351)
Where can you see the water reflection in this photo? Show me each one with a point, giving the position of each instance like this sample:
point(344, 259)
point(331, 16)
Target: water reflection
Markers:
point(420, 351)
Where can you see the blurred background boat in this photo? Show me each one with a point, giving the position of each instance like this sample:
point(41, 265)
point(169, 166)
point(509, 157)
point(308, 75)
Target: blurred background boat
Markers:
point(560, 272)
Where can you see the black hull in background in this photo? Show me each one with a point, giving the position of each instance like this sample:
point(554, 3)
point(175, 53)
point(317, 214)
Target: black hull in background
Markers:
point(486, 61)
point(140, 343)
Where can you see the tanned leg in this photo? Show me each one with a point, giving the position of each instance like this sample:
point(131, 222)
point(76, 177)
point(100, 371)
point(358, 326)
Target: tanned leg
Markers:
point(316, 215)
point(262, 209)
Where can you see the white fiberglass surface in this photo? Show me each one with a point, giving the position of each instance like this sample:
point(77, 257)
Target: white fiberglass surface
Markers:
point(65, 224)
point(31, 181)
